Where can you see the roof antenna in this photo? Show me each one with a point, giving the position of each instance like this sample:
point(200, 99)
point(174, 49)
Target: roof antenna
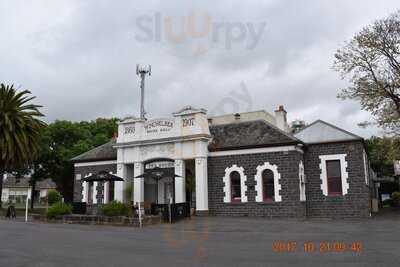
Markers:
point(142, 71)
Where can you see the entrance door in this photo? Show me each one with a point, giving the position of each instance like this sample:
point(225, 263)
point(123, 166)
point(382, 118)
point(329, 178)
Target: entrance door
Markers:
point(150, 191)
point(168, 193)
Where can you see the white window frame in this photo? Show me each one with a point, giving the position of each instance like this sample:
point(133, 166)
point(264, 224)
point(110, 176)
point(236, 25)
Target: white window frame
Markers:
point(343, 169)
point(259, 182)
point(227, 184)
point(302, 182)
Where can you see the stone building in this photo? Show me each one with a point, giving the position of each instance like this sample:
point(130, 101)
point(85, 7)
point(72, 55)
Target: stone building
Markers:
point(247, 164)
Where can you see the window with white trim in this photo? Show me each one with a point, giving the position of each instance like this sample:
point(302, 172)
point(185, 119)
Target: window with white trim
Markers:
point(334, 176)
point(267, 183)
point(235, 187)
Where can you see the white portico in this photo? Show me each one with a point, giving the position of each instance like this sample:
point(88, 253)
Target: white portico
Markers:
point(183, 137)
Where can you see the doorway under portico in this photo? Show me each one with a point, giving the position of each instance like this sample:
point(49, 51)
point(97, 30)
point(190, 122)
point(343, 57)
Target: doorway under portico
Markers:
point(164, 181)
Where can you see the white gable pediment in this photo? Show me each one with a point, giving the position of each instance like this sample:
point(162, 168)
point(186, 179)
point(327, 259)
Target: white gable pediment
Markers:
point(323, 132)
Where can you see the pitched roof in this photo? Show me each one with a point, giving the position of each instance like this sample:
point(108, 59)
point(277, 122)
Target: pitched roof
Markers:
point(238, 135)
point(103, 152)
point(12, 181)
point(23, 182)
point(46, 184)
point(249, 134)
point(323, 132)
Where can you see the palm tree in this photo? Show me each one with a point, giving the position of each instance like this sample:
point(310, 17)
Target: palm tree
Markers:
point(19, 129)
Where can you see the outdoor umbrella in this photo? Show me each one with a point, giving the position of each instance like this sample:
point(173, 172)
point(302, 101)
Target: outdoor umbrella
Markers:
point(102, 176)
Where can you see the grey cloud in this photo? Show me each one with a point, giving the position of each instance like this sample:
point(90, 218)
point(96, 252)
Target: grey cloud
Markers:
point(79, 57)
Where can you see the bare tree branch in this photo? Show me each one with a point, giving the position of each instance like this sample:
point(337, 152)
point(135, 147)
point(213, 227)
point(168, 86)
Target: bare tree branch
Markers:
point(371, 60)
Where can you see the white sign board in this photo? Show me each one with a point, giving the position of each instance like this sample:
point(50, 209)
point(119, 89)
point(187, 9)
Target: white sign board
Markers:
point(159, 126)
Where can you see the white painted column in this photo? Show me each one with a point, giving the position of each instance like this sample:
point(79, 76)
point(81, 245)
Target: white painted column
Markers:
point(119, 185)
point(94, 196)
point(85, 191)
point(106, 190)
point(201, 184)
point(180, 187)
point(138, 183)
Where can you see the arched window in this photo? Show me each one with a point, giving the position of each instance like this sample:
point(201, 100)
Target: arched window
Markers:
point(235, 186)
point(268, 185)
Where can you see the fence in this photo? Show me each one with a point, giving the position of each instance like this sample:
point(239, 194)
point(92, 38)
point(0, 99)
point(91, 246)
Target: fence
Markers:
point(172, 212)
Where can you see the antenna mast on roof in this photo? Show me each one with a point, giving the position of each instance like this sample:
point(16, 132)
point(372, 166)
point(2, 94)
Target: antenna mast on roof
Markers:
point(142, 71)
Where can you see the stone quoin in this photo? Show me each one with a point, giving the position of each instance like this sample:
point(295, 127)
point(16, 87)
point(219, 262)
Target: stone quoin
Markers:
point(243, 164)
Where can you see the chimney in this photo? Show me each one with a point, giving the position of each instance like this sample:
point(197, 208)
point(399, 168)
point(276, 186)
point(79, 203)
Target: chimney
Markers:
point(281, 119)
point(237, 116)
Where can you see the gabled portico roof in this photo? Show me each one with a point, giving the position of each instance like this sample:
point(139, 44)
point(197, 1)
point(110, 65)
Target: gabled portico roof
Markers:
point(231, 136)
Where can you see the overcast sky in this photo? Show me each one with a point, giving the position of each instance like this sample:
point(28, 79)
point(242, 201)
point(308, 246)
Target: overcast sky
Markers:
point(79, 57)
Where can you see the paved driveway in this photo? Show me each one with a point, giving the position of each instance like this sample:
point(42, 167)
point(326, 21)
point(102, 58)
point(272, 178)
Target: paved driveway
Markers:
point(204, 242)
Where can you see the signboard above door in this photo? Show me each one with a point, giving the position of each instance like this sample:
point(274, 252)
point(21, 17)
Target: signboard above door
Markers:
point(159, 126)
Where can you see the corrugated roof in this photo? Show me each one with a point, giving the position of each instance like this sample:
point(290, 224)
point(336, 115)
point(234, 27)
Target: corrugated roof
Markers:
point(323, 132)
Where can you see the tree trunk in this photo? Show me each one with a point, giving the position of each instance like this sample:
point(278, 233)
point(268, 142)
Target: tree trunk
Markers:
point(33, 194)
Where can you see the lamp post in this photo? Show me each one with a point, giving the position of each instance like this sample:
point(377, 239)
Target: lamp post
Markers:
point(26, 207)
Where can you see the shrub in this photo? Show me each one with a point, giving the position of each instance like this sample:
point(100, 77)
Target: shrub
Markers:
point(128, 191)
point(53, 197)
point(115, 208)
point(58, 209)
point(387, 203)
point(396, 196)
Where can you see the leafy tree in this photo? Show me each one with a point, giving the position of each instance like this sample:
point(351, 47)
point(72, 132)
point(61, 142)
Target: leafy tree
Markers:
point(53, 196)
point(372, 62)
point(63, 140)
point(20, 129)
point(382, 153)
